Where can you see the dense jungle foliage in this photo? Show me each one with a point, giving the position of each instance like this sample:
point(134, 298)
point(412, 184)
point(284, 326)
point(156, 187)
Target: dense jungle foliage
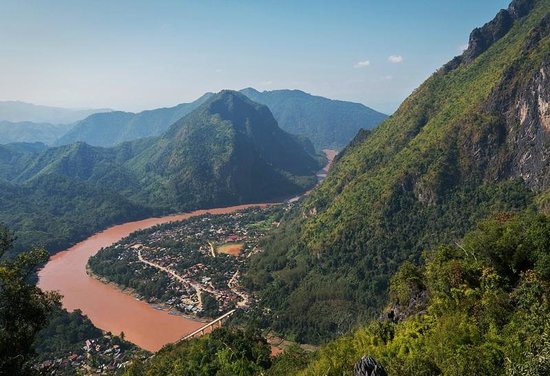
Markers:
point(487, 310)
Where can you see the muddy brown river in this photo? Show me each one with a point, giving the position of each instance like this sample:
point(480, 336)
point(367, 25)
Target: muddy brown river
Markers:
point(109, 308)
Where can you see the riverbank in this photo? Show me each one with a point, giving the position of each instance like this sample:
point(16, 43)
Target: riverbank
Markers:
point(155, 305)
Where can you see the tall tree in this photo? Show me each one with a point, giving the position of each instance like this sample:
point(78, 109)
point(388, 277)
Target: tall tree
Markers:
point(24, 308)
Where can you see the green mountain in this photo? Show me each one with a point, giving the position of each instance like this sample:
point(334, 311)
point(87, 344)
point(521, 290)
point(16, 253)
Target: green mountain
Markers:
point(329, 124)
point(85, 163)
point(228, 151)
point(112, 128)
point(470, 141)
point(48, 200)
point(31, 132)
point(15, 157)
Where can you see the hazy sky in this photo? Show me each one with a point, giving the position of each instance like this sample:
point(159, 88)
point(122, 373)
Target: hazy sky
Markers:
point(133, 55)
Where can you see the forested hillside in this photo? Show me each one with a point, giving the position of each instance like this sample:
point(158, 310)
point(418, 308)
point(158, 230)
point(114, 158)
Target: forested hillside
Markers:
point(481, 307)
point(55, 211)
point(470, 141)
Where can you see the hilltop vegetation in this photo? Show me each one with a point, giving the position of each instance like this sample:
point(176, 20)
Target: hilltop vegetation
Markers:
point(224, 352)
point(469, 142)
point(479, 308)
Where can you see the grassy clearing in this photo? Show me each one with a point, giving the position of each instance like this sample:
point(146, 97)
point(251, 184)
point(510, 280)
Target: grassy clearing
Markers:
point(233, 249)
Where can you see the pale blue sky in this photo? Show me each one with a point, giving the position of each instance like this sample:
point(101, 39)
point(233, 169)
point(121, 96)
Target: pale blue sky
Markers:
point(134, 55)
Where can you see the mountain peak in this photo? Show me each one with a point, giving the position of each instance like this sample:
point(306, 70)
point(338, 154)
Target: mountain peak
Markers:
point(230, 95)
point(242, 112)
point(232, 146)
point(484, 37)
point(251, 90)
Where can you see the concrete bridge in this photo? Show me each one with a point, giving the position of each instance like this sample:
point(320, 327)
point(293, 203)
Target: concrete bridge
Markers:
point(211, 325)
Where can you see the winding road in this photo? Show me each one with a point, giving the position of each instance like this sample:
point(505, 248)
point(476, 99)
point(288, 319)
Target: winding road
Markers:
point(183, 281)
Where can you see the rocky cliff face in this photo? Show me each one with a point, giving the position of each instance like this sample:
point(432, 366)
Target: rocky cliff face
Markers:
point(529, 139)
point(522, 101)
point(368, 366)
point(509, 136)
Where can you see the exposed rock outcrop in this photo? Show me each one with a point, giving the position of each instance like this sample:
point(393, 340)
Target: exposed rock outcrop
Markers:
point(522, 102)
point(531, 140)
point(415, 306)
point(368, 366)
point(482, 38)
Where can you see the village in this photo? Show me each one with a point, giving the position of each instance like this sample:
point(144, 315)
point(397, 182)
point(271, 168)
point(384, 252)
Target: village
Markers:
point(192, 267)
point(105, 355)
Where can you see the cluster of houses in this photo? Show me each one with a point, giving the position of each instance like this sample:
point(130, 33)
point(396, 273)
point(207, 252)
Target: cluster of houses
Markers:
point(190, 253)
point(98, 356)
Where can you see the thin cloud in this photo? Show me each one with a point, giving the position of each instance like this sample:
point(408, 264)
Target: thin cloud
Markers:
point(387, 78)
point(463, 47)
point(362, 64)
point(395, 59)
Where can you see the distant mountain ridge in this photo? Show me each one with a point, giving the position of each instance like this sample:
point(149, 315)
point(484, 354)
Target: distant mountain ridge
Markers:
point(16, 111)
point(328, 123)
point(31, 132)
point(113, 128)
point(325, 122)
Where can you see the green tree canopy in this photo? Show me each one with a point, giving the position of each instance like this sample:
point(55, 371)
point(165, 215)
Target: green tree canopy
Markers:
point(24, 307)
